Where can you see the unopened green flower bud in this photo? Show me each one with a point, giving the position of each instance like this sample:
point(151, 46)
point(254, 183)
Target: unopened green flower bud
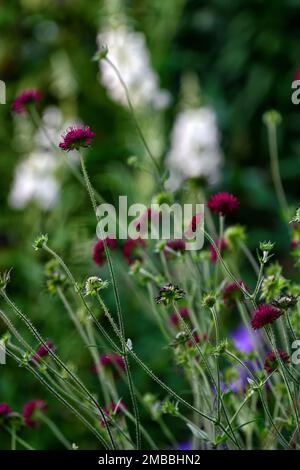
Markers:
point(40, 241)
point(163, 198)
point(209, 300)
point(266, 246)
point(272, 117)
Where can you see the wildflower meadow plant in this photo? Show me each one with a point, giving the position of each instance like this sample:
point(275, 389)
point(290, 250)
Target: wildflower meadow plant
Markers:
point(239, 391)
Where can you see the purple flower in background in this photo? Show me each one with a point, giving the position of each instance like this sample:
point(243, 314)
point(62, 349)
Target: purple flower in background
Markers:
point(243, 340)
point(185, 446)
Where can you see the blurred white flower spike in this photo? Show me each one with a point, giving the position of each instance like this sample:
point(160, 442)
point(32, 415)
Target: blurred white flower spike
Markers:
point(127, 48)
point(36, 176)
point(2, 92)
point(195, 147)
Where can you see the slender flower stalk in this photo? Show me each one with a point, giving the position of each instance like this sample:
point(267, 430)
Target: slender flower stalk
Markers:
point(118, 306)
point(272, 119)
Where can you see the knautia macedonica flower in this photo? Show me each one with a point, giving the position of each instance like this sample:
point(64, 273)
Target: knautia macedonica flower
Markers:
point(5, 410)
point(132, 249)
point(99, 250)
point(29, 411)
point(221, 245)
point(272, 362)
point(42, 352)
point(232, 293)
point(172, 247)
point(111, 362)
point(184, 313)
point(265, 314)
point(169, 294)
point(24, 99)
point(223, 203)
point(76, 137)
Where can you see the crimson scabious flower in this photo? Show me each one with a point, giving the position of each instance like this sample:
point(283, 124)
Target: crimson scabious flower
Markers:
point(111, 362)
point(232, 293)
point(265, 314)
point(76, 137)
point(223, 203)
point(197, 338)
point(178, 245)
point(29, 411)
point(5, 410)
point(184, 313)
point(42, 352)
point(99, 250)
point(24, 99)
point(221, 244)
point(271, 361)
point(131, 249)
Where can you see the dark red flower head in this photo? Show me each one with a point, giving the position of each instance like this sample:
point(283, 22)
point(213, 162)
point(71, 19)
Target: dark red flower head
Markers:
point(232, 293)
point(112, 362)
point(76, 137)
point(184, 313)
point(24, 99)
point(42, 352)
point(197, 339)
point(99, 250)
point(271, 362)
point(221, 244)
point(131, 249)
point(29, 409)
point(265, 314)
point(5, 410)
point(223, 203)
point(177, 245)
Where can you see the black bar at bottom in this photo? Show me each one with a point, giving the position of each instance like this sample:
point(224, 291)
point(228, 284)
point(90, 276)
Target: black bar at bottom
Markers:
point(135, 459)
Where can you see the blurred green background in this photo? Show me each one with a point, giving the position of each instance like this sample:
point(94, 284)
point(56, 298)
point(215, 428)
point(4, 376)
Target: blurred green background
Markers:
point(244, 55)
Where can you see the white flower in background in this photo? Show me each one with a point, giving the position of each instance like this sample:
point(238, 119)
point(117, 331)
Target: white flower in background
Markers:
point(35, 178)
point(128, 51)
point(195, 147)
point(35, 181)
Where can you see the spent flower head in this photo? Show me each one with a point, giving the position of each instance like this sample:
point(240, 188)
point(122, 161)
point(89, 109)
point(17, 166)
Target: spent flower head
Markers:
point(285, 302)
point(94, 285)
point(169, 294)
